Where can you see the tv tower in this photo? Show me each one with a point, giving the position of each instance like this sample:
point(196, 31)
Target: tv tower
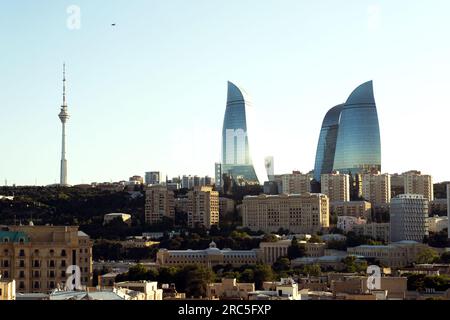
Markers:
point(64, 116)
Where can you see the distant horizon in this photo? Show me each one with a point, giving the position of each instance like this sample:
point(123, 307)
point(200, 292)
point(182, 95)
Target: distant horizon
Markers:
point(149, 94)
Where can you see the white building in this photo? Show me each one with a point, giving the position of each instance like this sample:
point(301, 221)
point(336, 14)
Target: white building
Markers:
point(437, 224)
point(409, 213)
point(286, 289)
point(110, 217)
point(149, 289)
point(347, 223)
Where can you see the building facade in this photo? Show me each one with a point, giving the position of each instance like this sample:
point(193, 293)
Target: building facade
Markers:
point(229, 289)
point(296, 183)
point(159, 203)
point(409, 215)
point(357, 209)
point(376, 188)
point(203, 207)
point(306, 213)
point(348, 223)
point(153, 178)
point(8, 290)
point(236, 159)
point(37, 257)
point(336, 186)
point(418, 183)
point(377, 231)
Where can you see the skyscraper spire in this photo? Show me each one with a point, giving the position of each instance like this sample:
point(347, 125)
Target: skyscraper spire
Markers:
point(64, 116)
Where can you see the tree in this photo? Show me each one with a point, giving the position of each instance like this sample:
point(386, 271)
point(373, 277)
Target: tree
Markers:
point(196, 280)
point(296, 250)
point(315, 239)
point(282, 264)
point(312, 270)
point(427, 255)
point(445, 257)
point(262, 273)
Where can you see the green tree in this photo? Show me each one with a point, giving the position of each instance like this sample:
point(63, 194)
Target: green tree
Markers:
point(296, 250)
point(282, 264)
point(312, 270)
point(427, 255)
point(315, 239)
point(262, 273)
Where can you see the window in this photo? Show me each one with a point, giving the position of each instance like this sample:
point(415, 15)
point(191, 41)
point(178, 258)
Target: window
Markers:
point(52, 264)
point(36, 264)
point(6, 263)
point(52, 252)
point(52, 274)
point(22, 285)
point(37, 285)
point(5, 240)
point(63, 263)
point(22, 253)
point(36, 274)
point(52, 285)
point(22, 274)
point(63, 274)
point(21, 240)
point(21, 264)
point(6, 274)
point(63, 253)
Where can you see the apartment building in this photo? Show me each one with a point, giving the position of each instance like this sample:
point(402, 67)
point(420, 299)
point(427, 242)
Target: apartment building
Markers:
point(336, 186)
point(159, 203)
point(203, 207)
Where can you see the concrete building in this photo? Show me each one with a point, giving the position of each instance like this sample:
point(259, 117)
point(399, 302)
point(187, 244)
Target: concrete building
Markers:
point(376, 188)
point(229, 289)
point(306, 213)
point(409, 215)
point(37, 257)
point(418, 183)
point(398, 255)
point(358, 209)
point(296, 183)
point(437, 224)
point(351, 287)
point(336, 186)
point(376, 231)
point(8, 289)
point(286, 289)
point(153, 178)
point(136, 180)
point(226, 206)
point(159, 203)
point(347, 223)
point(203, 207)
point(148, 288)
point(271, 187)
point(110, 217)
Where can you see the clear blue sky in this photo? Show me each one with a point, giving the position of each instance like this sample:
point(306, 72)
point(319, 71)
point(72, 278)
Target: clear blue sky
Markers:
point(150, 93)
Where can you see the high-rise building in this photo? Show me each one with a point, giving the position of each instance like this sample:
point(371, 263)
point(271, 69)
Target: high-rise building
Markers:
point(63, 116)
point(326, 148)
point(236, 160)
point(38, 257)
point(376, 188)
point(358, 146)
point(152, 178)
point(409, 213)
point(270, 168)
point(203, 207)
point(306, 213)
point(296, 183)
point(159, 203)
point(418, 183)
point(336, 186)
point(218, 176)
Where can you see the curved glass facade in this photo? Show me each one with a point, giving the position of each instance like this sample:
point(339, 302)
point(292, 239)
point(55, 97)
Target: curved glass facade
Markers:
point(236, 160)
point(358, 146)
point(327, 142)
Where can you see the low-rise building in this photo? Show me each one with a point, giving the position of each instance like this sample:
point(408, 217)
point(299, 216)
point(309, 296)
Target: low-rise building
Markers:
point(353, 286)
point(107, 280)
point(437, 224)
point(286, 289)
point(376, 231)
point(110, 217)
point(149, 289)
point(359, 209)
point(229, 289)
point(347, 223)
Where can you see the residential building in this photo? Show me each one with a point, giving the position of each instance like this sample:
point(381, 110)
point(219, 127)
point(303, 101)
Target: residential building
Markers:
point(358, 209)
point(437, 224)
point(376, 188)
point(110, 217)
point(296, 183)
point(408, 218)
point(159, 203)
point(226, 206)
point(349, 287)
point(348, 223)
point(271, 188)
point(203, 207)
point(418, 183)
point(336, 186)
point(136, 180)
point(306, 213)
point(153, 178)
point(376, 231)
point(229, 289)
point(148, 288)
point(38, 257)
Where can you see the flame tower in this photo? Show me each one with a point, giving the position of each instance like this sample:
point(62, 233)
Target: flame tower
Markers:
point(64, 116)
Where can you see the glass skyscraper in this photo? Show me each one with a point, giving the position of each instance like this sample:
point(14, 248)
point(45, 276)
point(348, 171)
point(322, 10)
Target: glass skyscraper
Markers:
point(358, 146)
point(236, 160)
point(349, 140)
point(327, 142)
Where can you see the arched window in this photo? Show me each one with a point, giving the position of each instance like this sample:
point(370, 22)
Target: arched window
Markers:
point(63, 253)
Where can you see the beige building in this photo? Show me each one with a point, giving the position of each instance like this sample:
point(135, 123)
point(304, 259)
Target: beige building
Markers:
point(355, 288)
point(398, 254)
point(418, 183)
point(336, 186)
point(148, 288)
point(159, 203)
point(306, 213)
point(7, 290)
point(110, 217)
point(377, 231)
point(203, 207)
point(37, 257)
point(376, 188)
point(358, 209)
point(296, 183)
point(229, 289)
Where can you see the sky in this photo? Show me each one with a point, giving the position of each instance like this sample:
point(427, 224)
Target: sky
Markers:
point(149, 94)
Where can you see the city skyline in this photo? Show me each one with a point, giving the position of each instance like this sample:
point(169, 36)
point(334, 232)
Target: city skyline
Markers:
point(139, 106)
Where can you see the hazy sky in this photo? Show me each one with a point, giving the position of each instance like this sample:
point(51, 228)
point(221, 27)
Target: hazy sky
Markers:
point(150, 93)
